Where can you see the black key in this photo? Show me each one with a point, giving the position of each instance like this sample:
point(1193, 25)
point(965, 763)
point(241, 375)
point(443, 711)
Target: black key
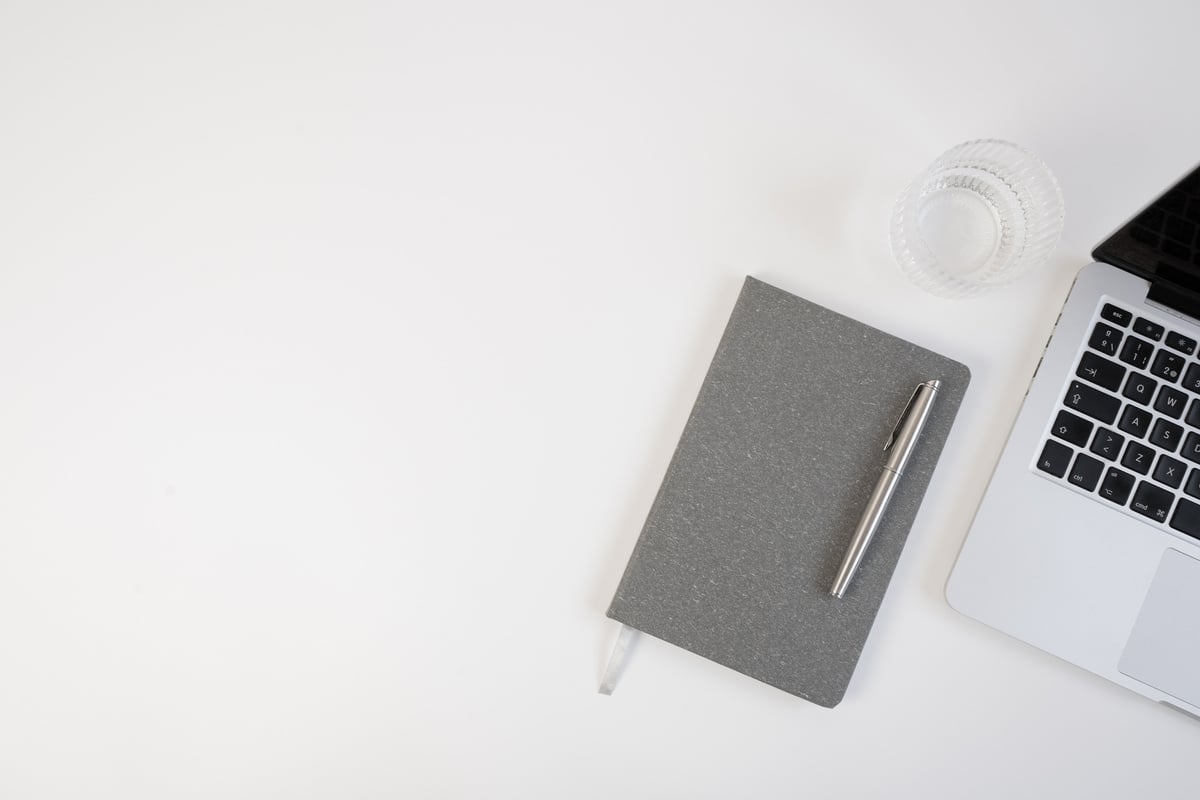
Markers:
point(1153, 218)
point(1055, 458)
point(1193, 483)
point(1166, 435)
point(1177, 341)
point(1100, 371)
point(1170, 402)
point(1117, 486)
point(1138, 457)
point(1151, 330)
point(1187, 518)
point(1105, 338)
point(1175, 249)
point(1135, 421)
point(1086, 472)
point(1170, 471)
point(1191, 377)
point(1180, 230)
point(1107, 443)
point(1116, 314)
point(1144, 236)
point(1092, 402)
point(1193, 415)
point(1167, 366)
point(1137, 352)
point(1073, 429)
point(1152, 501)
point(1140, 388)
point(1191, 447)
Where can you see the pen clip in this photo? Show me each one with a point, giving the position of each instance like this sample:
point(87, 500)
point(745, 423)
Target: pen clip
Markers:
point(903, 416)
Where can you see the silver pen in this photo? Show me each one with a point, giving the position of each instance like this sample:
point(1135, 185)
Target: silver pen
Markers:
point(899, 447)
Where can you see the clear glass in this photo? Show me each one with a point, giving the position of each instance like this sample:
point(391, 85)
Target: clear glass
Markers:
point(984, 214)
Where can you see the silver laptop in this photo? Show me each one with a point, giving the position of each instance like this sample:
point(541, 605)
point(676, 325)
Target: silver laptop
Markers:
point(1087, 541)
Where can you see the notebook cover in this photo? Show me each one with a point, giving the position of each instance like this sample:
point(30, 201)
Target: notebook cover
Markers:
point(774, 467)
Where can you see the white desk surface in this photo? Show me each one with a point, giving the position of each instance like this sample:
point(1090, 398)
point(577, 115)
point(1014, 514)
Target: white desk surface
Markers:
point(343, 348)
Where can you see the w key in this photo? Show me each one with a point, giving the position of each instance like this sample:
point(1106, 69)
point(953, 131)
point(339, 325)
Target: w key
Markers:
point(1092, 402)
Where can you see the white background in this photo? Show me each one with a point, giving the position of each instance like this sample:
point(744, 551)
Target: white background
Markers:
point(343, 347)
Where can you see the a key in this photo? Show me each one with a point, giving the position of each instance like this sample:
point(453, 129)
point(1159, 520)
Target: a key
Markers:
point(1107, 443)
point(1191, 447)
point(1136, 351)
point(1071, 428)
point(1116, 486)
point(1116, 314)
point(1055, 458)
point(1187, 518)
point(1167, 366)
point(1170, 402)
point(1100, 371)
point(1138, 457)
point(1191, 377)
point(1152, 501)
point(1140, 388)
point(1166, 435)
point(1184, 344)
point(1151, 330)
point(1106, 339)
point(1085, 472)
point(1135, 421)
point(1170, 471)
point(1092, 402)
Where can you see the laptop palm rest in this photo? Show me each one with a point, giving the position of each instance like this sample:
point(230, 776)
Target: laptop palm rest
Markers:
point(1163, 650)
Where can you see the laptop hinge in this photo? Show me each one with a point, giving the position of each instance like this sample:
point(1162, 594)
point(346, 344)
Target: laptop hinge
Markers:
point(1175, 297)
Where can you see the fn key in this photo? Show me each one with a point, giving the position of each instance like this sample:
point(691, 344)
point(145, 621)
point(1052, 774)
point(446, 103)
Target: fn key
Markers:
point(1055, 458)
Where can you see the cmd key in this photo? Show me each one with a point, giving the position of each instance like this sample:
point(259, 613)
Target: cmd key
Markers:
point(1092, 402)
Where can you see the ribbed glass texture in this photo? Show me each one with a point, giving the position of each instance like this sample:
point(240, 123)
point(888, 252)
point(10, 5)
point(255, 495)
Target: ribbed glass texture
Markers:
point(985, 213)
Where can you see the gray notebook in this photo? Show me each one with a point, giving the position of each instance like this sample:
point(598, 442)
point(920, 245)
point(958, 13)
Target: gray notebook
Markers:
point(768, 481)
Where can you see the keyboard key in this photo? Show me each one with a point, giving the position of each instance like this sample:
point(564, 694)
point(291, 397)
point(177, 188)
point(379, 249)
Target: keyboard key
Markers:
point(1187, 518)
point(1106, 339)
point(1136, 352)
point(1193, 415)
point(1135, 421)
point(1180, 230)
point(1138, 457)
point(1191, 447)
point(1086, 472)
point(1170, 402)
point(1140, 388)
point(1151, 330)
point(1071, 428)
point(1117, 486)
point(1191, 377)
point(1184, 344)
point(1167, 366)
point(1092, 402)
point(1152, 501)
point(1055, 458)
point(1166, 435)
point(1100, 371)
point(1107, 443)
point(1170, 471)
point(1116, 314)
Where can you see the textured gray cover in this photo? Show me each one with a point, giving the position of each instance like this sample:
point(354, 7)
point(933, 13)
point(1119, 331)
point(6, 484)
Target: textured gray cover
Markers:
point(768, 481)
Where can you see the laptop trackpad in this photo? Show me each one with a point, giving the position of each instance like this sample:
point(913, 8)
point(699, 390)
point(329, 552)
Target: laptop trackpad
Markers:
point(1164, 648)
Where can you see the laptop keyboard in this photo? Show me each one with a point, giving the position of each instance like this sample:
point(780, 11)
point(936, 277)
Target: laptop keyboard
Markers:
point(1127, 430)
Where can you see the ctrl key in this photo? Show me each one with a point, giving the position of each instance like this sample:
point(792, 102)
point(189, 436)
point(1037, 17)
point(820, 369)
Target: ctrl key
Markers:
point(1055, 458)
point(1116, 486)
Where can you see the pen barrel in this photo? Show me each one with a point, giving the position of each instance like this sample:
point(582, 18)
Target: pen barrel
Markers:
point(867, 525)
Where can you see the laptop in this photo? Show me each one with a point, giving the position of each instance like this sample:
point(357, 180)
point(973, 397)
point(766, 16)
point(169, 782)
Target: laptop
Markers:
point(1087, 541)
